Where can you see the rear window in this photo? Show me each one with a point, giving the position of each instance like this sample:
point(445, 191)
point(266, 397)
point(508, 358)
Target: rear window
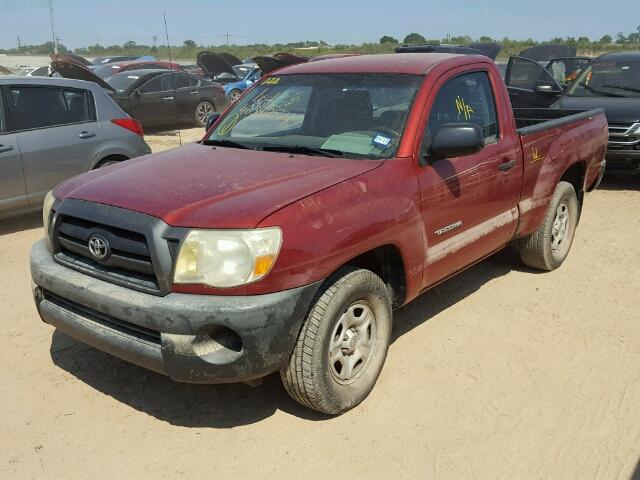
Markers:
point(42, 107)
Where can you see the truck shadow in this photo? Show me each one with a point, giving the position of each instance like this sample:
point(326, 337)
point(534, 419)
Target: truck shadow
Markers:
point(23, 222)
point(226, 406)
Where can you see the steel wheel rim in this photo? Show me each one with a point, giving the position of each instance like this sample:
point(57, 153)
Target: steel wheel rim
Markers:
point(352, 343)
point(560, 228)
point(204, 110)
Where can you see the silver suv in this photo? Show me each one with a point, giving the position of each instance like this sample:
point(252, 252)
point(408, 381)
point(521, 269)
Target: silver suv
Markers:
point(54, 128)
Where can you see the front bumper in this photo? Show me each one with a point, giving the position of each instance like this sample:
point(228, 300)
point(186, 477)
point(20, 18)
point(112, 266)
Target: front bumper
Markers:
point(625, 162)
point(190, 338)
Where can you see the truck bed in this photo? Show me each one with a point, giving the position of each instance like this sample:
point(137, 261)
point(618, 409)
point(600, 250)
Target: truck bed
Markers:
point(552, 140)
point(534, 120)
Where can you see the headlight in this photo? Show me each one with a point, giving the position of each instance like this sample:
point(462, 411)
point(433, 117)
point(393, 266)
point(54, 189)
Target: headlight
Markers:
point(227, 258)
point(49, 200)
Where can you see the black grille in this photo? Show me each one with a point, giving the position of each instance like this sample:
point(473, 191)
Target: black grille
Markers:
point(624, 136)
point(129, 264)
point(142, 333)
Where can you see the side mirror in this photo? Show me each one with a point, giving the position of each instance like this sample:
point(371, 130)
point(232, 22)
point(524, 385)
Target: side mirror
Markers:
point(211, 119)
point(546, 89)
point(456, 140)
point(136, 93)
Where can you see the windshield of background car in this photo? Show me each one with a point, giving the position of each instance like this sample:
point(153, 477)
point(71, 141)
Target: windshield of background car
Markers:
point(357, 115)
point(609, 78)
point(122, 81)
point(242, 70)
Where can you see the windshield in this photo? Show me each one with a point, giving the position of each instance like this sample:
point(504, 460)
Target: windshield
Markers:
point(349, 115)
point(122, 81)
point(609, 78)
point(106, 71)
point(242, 70)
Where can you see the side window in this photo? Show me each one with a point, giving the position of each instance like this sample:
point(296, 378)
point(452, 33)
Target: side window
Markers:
point(153, 85)
point(78, 105)
point(183, 81)
point(39, 107)
point(467, 98)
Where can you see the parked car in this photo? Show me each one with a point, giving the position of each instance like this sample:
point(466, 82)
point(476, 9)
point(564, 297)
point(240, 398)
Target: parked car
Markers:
point(121, 58)
point(32, 71)
point(612, 82)
point(161, 97)
point(156, 97)
point(52, 129)
point(236, 77)
point(329, 194)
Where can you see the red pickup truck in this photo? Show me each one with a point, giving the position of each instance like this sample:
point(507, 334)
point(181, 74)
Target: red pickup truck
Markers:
point(329, 194)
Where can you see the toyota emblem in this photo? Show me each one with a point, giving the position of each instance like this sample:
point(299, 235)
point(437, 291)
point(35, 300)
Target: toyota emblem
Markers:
point(99, 247)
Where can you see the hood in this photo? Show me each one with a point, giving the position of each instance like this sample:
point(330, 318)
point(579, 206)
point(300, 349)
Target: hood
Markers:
point(544, 53)
point(617, 110)
point(71, 56)
point(71, 69)
point(232, 59)
point(488, 49)
point(214, 64)
point(203, 187)
point(268, 64)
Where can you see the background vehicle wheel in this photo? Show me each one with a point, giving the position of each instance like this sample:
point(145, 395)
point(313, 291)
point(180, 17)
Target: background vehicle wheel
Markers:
point(203, 110)
point(234, 95)
point(547, 247)
point(343, 343)
point(110, 161)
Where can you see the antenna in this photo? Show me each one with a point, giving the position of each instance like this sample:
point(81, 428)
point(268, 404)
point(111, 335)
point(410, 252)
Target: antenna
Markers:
point(173, 82)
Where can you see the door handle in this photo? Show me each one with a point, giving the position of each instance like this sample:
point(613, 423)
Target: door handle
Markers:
point(193, 93)
point(6, 148)
point(86, 134)
point(508, 165)
point(167, 98)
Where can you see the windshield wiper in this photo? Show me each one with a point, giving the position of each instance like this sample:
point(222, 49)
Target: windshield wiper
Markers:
point(599, 92)
point(621, 87)
point(323, 152)
point(226, 143)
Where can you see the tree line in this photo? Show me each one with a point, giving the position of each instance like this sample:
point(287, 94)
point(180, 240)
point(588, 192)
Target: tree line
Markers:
point(189, 48)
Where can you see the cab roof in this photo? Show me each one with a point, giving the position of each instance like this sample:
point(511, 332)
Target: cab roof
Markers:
point(402, 63)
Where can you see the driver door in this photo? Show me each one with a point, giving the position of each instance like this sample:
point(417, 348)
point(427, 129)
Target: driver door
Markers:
point(468, 203)
point(530, 85)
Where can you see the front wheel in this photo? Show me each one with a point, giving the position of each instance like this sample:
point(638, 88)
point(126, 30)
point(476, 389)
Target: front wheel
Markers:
point(234, 95)
point(548, 247)
point(343, 343)
point(203, 110)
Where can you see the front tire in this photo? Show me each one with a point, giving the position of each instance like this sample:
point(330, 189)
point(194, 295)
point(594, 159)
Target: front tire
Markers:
point(233, 96)
point(343, 343)
point(203, 110)
point(548, 247)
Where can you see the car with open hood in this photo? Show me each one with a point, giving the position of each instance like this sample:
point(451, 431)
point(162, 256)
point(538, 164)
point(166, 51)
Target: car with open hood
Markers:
point(236, 76)
point(156, 97)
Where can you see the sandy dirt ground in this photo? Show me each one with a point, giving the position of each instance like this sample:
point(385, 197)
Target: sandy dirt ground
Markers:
point(501, 372)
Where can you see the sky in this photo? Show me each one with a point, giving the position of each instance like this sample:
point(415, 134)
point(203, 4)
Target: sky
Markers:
point(83, 22)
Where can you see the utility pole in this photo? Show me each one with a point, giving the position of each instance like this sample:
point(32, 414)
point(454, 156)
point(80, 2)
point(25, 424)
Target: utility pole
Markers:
point(227, 35)
point(53, 34)
point(155, 41)
point(19, 43)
